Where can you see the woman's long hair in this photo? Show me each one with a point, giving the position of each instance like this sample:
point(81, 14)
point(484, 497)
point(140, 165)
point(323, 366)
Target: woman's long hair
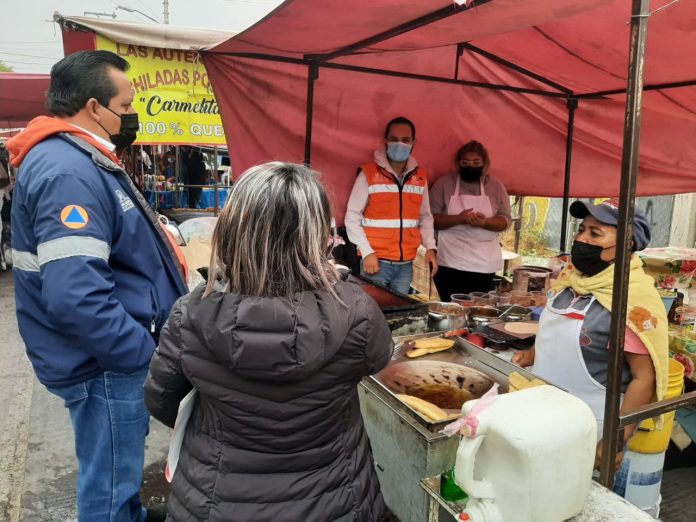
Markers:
point(272, 237)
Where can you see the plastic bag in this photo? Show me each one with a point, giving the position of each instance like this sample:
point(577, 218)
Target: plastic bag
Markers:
point(467, 425)
point(184, 414)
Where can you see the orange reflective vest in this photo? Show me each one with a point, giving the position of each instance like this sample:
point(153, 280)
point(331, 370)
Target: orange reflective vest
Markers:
point(391, 219)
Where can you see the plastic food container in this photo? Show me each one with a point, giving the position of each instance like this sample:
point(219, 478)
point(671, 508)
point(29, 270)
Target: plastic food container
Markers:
point(530, 458)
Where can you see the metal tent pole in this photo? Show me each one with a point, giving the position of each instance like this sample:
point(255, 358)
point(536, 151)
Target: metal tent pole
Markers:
point(397, 74)
point(457, 58)
point(518, 224)
point(177, 177)
point(411, 25)
point(155, 184)
point(312, 75)
point(513, 66)
point(629, 173)
point(572, 106)
point(654, 87)
point(142, 169)
point(215, 179)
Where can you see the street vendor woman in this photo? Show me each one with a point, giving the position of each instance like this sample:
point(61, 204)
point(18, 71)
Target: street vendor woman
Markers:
point(572, 344)
point(470, 209)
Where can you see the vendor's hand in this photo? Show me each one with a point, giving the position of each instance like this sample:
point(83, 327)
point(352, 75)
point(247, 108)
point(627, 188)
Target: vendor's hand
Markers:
point(431, 260)
point(371, 264)
point(523, 358)
point(478, 220)
point(465, 215)
point(598, 457)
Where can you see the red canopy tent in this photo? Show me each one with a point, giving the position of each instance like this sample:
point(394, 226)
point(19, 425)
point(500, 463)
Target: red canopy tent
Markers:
point(22, 98)
point(504, 72)
point(542, 83)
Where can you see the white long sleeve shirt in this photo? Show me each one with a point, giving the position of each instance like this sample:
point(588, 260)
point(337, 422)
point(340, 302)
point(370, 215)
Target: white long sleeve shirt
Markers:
point(359, 198)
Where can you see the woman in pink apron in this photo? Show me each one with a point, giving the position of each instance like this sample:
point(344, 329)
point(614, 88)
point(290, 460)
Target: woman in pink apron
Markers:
point(571, 348)
point(470, 209)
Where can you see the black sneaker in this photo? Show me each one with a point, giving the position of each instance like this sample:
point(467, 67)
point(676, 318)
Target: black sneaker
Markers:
point(157, 513)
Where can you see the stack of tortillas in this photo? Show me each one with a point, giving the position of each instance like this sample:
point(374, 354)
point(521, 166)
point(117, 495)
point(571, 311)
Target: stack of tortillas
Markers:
point(521, 330)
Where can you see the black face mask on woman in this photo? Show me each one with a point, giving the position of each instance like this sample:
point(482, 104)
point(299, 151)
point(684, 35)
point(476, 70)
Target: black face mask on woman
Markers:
point(587, 258)
point(470, 174)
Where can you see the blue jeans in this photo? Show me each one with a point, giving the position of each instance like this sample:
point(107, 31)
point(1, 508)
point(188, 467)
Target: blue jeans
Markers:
point(397, 276)
point(110, 422)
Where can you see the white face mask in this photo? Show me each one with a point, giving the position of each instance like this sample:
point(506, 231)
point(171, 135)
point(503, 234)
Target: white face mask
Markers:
point(397, 151)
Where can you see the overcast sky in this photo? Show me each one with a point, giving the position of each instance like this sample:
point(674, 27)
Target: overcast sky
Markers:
point(31, 42)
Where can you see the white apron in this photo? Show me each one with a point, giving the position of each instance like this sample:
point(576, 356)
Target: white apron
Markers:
point(468, 248)
point(559, 358)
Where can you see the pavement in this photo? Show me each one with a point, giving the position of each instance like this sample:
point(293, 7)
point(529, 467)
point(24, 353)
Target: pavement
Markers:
point(37, 460)
point(16, 390)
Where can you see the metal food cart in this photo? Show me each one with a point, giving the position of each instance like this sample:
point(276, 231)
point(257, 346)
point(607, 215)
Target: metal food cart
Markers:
point(406, 447)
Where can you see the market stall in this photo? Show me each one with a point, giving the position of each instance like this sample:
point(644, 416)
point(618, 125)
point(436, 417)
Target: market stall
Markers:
point(530, 78)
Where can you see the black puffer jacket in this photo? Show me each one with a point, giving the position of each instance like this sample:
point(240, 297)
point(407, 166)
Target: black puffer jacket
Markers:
point(276, 434)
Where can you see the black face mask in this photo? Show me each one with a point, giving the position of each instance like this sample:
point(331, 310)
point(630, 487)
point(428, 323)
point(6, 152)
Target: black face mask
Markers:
point(587, 258)
point(470, 174)
point(127, 132)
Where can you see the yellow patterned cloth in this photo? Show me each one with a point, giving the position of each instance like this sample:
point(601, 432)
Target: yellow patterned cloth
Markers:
point(646, 313)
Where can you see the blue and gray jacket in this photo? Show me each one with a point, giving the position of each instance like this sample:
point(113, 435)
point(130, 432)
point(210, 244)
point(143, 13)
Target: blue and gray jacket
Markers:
point(95, 278)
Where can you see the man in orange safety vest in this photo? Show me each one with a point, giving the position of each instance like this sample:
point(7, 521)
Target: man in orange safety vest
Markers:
point(388, 215)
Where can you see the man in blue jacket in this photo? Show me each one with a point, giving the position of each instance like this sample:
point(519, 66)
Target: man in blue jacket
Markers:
point(95, 277)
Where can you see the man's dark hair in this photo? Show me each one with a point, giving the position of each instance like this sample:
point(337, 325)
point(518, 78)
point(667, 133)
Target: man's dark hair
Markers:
point(403, 121)
point(79, 77)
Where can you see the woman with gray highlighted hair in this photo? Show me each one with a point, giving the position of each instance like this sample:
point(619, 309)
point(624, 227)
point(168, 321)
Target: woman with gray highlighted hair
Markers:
point(275, 345)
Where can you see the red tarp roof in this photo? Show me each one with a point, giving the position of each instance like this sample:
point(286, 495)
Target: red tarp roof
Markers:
point(577, 47)
point(22, 98)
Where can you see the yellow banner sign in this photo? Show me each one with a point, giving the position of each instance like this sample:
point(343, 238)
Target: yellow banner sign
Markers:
point(173, 95)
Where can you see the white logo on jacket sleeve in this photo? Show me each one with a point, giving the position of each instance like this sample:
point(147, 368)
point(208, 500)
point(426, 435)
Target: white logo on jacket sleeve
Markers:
point(125, 201)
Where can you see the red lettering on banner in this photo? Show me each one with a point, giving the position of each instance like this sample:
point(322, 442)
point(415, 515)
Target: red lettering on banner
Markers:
point(137, 84)
point(139, 51)
point(177, 77)
point(132, 50)
point(169, 55)
point(168, 77)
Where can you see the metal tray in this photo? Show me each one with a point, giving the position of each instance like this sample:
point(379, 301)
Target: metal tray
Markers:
point(388, 300)
point(458, 355)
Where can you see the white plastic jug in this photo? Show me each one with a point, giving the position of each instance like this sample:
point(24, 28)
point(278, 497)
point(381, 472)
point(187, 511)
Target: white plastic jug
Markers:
point(530, 459)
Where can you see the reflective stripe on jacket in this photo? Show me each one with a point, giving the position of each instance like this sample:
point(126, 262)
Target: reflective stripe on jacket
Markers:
point(391, 219)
